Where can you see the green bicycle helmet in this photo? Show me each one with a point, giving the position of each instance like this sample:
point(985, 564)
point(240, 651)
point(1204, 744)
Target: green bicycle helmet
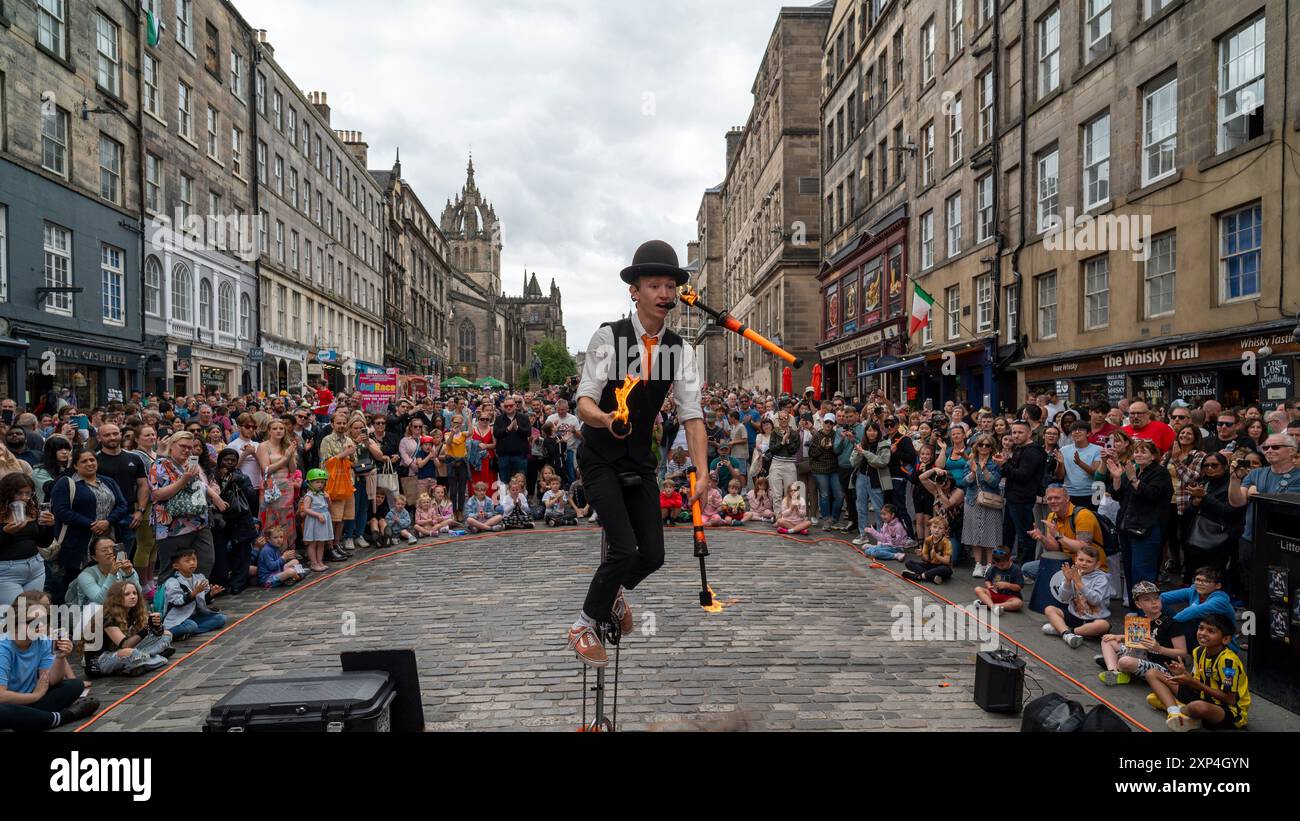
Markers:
point(316, 474)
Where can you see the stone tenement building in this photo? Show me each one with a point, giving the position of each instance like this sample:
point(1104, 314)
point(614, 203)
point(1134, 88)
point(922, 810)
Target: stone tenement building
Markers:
point(70, 228)
point(770, 210)
point(491, 334)
point(417, 281)
point(200, 285)
point(1040, 168)
point(321, 237)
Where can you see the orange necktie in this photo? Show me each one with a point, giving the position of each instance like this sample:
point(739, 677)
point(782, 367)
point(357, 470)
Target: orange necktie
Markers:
point(648, 362)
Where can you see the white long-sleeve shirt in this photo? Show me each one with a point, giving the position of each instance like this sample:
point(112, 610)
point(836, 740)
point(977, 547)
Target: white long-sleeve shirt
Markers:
point(599, 366)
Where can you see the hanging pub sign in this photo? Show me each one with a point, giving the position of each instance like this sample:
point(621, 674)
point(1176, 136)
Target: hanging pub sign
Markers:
point(1195, 388)
point(1276, 381)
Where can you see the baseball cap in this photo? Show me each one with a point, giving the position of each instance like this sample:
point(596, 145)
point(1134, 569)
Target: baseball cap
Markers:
point(830, 417)
point(1145, 588)
point(1178, 403)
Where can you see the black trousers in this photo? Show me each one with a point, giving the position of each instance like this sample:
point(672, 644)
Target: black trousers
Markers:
point(633, 528)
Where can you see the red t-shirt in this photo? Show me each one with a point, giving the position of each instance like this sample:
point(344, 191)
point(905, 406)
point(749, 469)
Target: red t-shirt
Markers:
point(1157, 432)
point(324, 398)
point(670, 502)
point(1100, 437)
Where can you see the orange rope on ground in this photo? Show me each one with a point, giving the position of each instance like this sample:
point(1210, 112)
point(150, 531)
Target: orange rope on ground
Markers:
point(930, 589)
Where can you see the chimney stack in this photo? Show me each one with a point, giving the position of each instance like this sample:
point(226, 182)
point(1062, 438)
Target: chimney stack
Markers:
point(265, 43)
point(356, 145)
point(320, 100)
point(734, 136)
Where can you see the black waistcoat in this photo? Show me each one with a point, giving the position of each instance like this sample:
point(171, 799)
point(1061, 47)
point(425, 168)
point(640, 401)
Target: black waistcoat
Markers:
point(645, 401)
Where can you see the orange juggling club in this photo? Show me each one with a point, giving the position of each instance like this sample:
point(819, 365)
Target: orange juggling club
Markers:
point(692, 297)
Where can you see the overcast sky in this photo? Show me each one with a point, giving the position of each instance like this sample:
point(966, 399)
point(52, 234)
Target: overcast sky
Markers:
point(595, 125)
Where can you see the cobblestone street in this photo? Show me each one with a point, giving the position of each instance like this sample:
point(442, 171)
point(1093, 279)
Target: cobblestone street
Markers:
point(805, 642)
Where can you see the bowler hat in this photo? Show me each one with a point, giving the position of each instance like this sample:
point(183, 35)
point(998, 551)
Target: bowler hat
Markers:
point(655, 258)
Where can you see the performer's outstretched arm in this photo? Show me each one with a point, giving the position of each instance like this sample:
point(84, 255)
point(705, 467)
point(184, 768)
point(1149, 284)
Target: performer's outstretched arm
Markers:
point(697, 442)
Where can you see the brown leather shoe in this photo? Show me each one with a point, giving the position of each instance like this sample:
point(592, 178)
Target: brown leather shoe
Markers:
point(623, 613)
point(586, 643)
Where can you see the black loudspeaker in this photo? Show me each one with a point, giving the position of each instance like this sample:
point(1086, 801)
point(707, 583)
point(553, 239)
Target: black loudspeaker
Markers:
point(408, 709)
point(999, 682)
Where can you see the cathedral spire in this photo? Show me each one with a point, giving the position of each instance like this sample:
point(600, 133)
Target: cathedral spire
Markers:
point(397, 164)
point(469, 172)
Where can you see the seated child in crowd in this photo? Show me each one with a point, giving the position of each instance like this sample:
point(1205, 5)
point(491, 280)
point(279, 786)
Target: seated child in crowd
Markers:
point(380, 534)
point(188, 597)
point(1205, 596)
point(670, 503)
point(556, 502)
point(481, 512)
point(444, 513)
point(1165, 644)
point(1003, 582)
point(935, 561)
point(711, 510)
point(514, 505)
point(794, 511)
point(277, 565)
point(399, 520)
point(891, 538)
point(426, 516)
point(34, 673)
point(760, 502)
point(134, 639)
point(1215, 695)
point(1086, 595)
point(734, 510)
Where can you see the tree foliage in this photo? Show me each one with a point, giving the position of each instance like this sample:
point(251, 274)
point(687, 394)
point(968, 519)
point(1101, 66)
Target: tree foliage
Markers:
point(557, 363)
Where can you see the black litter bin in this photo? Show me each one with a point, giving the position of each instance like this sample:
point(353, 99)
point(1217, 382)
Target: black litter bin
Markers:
point(332, 702)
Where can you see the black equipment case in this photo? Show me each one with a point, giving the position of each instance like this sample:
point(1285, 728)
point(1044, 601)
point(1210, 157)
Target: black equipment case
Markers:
point(999, 681)
point(358, 702)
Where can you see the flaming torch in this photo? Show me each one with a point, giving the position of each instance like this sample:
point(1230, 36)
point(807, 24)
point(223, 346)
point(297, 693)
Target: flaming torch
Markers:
point(622, 416)
point(692, 297)
point(701, 546)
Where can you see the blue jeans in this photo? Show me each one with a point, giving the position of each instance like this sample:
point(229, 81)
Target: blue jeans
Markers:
point(1141, 557)
point(204, 623)
point(570, 463)
point(1017, 521)
point(884, 554)
point(21, 576)
point(356, 528)
point(870, 501)
point(508, 466)
point(831, 494)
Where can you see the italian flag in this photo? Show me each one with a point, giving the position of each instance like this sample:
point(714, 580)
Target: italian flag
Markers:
point(922, 305)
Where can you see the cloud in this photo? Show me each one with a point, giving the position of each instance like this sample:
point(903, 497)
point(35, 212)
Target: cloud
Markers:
point(595, 126)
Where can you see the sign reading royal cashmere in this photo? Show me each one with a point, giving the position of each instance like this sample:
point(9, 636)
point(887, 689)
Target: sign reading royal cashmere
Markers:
point(378, 390)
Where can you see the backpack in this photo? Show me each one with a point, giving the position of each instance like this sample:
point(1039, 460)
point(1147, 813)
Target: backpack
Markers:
point(160, 601)
point(1102, 719)
point(1052, 713)
point(1109, 535)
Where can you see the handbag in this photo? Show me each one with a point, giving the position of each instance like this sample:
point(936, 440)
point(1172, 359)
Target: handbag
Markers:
point(387, 479)
point(1207, 534)
point(990, 500)
point(191, 501)
point(51, 552)
point(271, 492)
point(411, 488)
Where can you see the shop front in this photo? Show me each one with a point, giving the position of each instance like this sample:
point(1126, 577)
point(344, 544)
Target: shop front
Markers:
point(963, 374)
point(1236, 369)
point(862, 312)
point(284, 367)
point(80, 374)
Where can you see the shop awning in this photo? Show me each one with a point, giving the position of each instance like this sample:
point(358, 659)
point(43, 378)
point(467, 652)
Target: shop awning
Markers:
point(902, 364)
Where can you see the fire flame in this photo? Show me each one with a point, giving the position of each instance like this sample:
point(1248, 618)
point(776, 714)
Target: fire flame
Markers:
point(718, 604)
point(688, 295)
point(621, 412)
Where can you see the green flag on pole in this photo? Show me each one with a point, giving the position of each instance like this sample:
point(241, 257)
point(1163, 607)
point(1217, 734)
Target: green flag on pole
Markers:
point(922, 305)
point(151, 25)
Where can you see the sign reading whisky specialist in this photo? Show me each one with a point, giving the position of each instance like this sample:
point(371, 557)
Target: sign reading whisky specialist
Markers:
point(1184, 357)
point(1194, 388)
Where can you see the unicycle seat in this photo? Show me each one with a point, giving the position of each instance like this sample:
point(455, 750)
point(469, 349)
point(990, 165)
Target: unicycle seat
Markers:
point(630, 479)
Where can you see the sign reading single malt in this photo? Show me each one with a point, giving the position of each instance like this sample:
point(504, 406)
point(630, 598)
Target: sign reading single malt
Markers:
point(1194, 388)
point(1158, 357)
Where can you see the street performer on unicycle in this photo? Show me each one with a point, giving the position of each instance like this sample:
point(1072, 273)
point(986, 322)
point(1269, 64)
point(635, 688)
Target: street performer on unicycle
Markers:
point(633, 362)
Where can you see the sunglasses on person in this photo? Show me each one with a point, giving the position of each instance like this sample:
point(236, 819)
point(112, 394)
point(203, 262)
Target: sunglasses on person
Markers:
point(1225, 424)
point(1275, 447)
